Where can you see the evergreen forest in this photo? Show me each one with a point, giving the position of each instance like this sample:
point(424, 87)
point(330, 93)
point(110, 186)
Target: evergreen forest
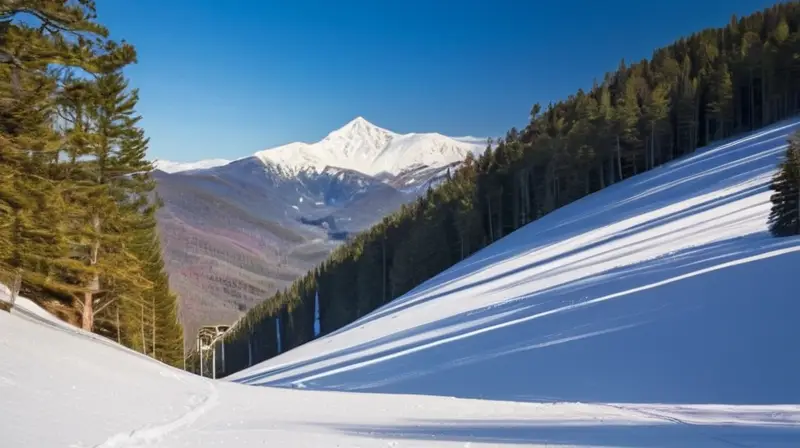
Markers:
point(77, 202)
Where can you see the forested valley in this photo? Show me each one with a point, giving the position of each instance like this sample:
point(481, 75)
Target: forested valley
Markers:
point(705, 88)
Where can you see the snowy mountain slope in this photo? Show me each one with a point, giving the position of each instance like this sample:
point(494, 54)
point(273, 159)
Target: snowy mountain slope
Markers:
point(665, 288)
point(168, 166)
point(471, 139)
point(361, 146)
point(62, 387)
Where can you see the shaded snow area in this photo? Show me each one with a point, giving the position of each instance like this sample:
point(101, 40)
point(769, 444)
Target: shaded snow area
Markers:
point(656, 313)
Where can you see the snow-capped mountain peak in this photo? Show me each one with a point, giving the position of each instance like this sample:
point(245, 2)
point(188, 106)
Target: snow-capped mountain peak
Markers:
point(364, 147)
point(359, 140)
point(359, 128)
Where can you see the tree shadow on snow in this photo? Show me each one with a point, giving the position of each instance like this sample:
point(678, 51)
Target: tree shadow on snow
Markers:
point(712, 168)
point(596, 434)
point(606, 333)
point(553, 344)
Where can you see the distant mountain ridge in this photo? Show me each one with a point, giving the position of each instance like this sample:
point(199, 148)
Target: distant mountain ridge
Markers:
point(168, 166)
point(358, 146)
point(236, 231)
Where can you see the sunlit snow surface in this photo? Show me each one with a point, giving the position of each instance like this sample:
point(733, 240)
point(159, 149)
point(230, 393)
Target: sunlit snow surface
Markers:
point(168, 166)
point(657, 312)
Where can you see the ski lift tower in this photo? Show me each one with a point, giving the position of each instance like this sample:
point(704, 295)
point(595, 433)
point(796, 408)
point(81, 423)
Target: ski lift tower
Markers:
point(207, 336)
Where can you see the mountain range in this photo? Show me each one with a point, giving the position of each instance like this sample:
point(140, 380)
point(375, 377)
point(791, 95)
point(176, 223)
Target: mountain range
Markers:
point(236, 231)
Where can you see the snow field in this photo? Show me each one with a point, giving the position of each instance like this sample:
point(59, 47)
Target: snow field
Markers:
point(657, 312)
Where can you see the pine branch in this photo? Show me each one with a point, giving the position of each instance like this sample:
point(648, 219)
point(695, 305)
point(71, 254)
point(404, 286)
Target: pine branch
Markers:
point(104, 306)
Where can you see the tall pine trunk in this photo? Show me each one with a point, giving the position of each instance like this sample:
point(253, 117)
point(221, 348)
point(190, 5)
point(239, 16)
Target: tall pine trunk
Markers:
point(602, 174)
point(587, 181)
point(141, 328)
point(752, 101)
point(764, 97)
point(383, 292)
point(619, 159)
point(653, 146)
point(500, 215)
point(94, 283)
point(119, 329)
point(491, 229)
point(153, 342)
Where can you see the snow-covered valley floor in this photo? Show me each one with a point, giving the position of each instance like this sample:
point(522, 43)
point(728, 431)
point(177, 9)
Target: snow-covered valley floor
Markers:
point(657, 312)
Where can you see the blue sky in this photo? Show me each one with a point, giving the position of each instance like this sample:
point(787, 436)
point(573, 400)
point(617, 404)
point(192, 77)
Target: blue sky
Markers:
point(226, 79)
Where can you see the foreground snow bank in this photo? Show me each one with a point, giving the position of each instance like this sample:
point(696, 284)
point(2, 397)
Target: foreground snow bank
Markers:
point(60, 385)
point(63, 388)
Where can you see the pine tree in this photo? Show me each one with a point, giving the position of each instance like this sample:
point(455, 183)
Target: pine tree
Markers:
point(38, 41)
point(369, 277)
point(685, 111)
point(107, 199)
point(721, 105)
point(626, 117)
point(656, 112)
point(163, 333)
point(784, 219)
point(32, 220)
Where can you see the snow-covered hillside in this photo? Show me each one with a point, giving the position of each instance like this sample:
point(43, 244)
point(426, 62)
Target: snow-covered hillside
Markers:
point(657, 312)
point(168, 166)
point(663, 288)
point(361, 146)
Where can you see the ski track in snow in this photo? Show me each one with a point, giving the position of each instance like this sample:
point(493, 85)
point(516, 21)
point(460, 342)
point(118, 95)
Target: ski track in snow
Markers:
point(149, 435)
point(678, 421)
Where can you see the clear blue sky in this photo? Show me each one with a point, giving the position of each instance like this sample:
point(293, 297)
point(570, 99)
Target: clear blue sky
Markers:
point(228, 78)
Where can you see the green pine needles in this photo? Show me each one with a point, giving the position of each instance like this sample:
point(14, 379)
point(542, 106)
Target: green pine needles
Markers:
point(784, 219)
point(77, 203)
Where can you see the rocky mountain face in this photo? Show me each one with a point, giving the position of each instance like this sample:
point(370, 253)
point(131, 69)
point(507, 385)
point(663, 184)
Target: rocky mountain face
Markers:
point(235, 232)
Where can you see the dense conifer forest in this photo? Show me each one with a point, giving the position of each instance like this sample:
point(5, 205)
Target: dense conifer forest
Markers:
point(707, 87)
point(77, 203)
